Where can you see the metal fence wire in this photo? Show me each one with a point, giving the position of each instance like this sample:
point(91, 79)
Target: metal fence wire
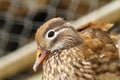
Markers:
point(19, 19)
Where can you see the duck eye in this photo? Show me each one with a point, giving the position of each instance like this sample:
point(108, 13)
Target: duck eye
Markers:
point(51, 34)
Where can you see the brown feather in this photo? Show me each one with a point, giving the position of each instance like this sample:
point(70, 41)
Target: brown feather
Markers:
point(85, 56)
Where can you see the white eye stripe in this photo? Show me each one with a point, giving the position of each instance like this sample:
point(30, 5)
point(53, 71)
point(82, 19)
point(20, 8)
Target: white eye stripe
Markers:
point(56, 33)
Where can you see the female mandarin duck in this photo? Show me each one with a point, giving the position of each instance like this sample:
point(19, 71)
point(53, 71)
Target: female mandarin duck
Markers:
point(69, 55)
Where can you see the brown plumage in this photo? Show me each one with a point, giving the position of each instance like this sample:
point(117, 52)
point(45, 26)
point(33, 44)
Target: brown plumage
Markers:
point(69, 55)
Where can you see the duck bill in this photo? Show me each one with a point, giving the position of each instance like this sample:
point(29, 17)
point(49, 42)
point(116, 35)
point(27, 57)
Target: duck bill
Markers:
point(41, 55)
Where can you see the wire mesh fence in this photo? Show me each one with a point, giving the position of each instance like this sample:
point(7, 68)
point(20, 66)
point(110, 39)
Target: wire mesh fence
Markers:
point(20, 18)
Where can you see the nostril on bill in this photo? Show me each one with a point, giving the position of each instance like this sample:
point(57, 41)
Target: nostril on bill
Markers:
point(39, 55)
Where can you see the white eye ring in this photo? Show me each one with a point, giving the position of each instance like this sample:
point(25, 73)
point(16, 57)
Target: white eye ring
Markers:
point(51, 34)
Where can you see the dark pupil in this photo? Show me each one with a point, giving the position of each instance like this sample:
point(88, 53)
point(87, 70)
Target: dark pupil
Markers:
point(51, 34)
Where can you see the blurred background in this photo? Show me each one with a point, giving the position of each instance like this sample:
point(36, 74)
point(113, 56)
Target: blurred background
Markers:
point(19, 20)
